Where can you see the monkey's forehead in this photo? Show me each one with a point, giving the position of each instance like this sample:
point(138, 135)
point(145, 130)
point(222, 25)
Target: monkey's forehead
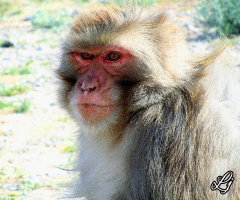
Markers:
point(109, 16)
point(110, 24)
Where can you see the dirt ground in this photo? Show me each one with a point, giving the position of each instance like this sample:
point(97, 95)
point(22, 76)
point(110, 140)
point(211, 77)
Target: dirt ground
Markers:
point(33, 144)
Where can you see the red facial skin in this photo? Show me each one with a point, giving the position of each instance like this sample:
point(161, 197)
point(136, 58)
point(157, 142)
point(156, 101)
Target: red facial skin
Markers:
point(98, 69)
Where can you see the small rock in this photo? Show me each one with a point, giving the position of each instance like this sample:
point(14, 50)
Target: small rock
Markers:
point(29, 18)
point(104, 1)
point(7, 44)
point(26, 3)
point(75, 13)
point(8, 134)
point(39, 48)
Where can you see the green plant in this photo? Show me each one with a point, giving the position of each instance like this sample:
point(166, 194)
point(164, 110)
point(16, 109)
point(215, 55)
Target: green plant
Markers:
point(69, 149)
point(13, 90)
point(19, 106)
point(6, 197)
point(5, 104)
point(47, 19)
point(222, 14)
point(22, 106)
point(18, 70)
point(28, 185)
point(18, 173)
point(5, 6)
point(63, 119)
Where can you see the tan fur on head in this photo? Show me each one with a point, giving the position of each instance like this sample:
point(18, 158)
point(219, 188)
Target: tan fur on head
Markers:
point(119, 25)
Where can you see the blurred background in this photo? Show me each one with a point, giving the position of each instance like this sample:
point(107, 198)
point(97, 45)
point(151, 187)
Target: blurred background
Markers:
point(36, 135)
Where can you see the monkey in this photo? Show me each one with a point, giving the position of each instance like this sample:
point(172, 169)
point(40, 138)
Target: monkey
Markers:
point(155, 121)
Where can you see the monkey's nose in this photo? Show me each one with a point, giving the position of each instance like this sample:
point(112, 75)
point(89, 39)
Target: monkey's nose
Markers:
point(88, 86)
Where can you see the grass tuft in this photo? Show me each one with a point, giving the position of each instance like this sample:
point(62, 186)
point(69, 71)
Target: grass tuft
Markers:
point(18, 70)
point(13, 90)
point(222, 14)
point(20, 106)
point(46, 19)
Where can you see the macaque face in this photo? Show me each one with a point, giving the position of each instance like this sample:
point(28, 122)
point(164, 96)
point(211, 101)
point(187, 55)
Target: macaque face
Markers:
point(97, 71)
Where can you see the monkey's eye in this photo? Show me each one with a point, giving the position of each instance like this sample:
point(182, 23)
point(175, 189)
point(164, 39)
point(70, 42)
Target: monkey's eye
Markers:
point(87, 56)
point(113, 56)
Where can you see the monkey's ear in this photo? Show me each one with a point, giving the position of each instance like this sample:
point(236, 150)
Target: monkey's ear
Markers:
point(203, 65)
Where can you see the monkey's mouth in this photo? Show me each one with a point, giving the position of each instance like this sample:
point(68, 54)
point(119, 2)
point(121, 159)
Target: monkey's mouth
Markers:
point(94, 112)
point(89, 105)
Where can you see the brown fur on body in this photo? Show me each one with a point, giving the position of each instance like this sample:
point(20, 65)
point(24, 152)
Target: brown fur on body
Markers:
point(176, 129)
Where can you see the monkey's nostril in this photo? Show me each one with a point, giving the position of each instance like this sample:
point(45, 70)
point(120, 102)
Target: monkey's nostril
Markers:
point(87, 87)
point(91, 89)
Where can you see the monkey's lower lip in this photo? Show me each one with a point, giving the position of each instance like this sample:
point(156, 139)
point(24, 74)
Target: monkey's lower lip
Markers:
point(86, 105)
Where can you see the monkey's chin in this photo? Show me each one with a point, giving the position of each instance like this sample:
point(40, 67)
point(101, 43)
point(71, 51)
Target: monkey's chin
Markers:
point(93, 113)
